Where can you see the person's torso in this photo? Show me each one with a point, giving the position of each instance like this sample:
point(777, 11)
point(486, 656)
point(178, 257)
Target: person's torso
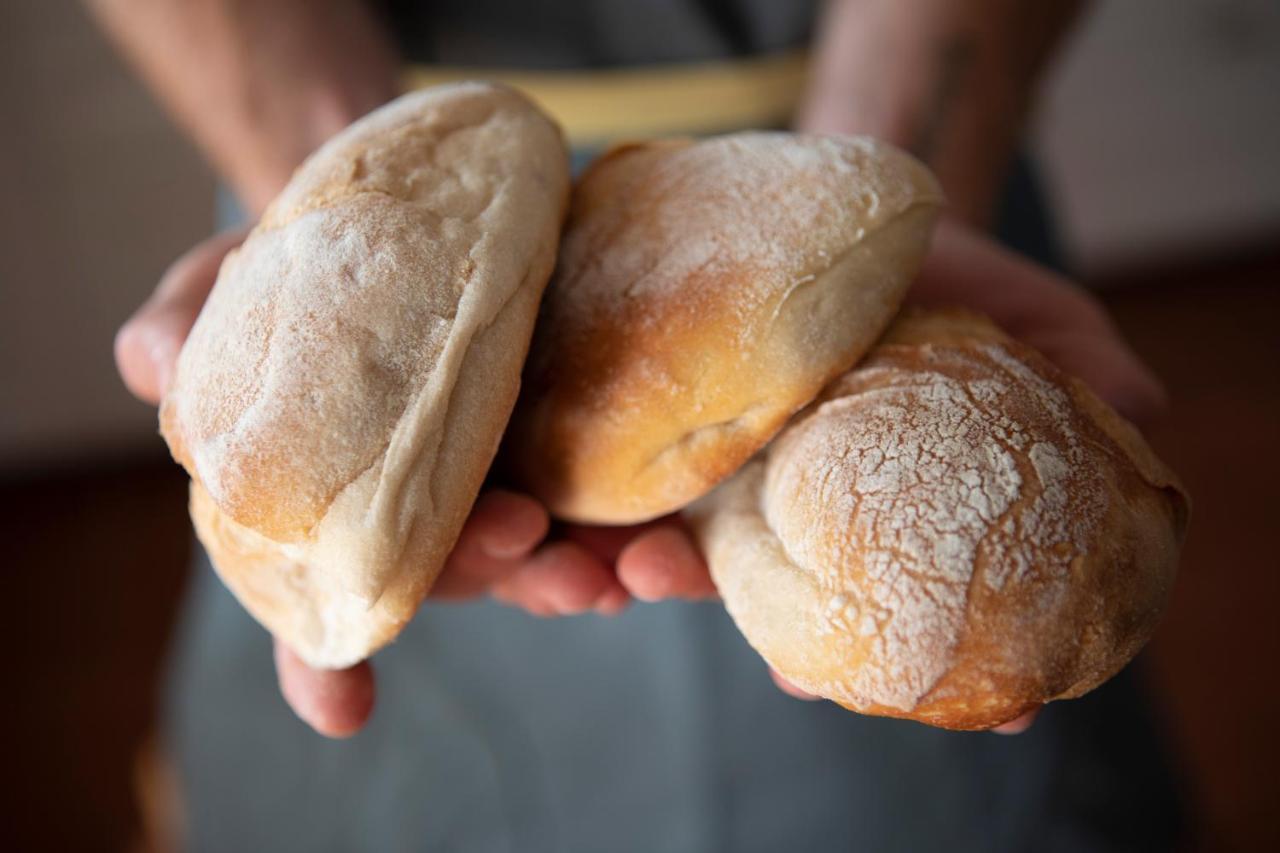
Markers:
point(559, 34)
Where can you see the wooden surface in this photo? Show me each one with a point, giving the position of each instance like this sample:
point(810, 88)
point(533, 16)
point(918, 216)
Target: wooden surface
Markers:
point(96, 562)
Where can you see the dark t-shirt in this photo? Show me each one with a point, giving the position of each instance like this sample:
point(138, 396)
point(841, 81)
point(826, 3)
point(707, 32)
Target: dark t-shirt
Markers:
point(594, 33)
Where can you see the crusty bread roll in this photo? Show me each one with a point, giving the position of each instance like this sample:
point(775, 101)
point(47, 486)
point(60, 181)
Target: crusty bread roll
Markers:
point(954, 532)
point(705, 292)
point(343, 392)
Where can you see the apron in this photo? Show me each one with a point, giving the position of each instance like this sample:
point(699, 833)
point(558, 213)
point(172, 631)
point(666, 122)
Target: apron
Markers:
point(657, 730)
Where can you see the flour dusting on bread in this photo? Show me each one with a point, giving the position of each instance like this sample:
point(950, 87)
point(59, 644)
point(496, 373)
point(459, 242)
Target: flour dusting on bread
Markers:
point(706, 291)
point(336, 357)
point(949, 532)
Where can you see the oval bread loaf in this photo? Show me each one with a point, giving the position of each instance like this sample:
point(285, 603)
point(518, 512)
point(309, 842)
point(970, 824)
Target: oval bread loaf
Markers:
point(954, 532)
point(705, 292)
point(343, 392)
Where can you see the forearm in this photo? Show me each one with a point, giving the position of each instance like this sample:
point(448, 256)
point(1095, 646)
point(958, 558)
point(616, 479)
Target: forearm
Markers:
point(257, 85)
point(948, 79)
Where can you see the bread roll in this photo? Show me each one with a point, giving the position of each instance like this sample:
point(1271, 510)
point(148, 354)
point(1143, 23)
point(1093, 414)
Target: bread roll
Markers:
point(954, 532)
point(343, 391)
point(706, 292)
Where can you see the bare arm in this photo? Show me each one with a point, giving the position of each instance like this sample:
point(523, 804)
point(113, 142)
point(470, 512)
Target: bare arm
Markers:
point(950, 80)
point(257, 85)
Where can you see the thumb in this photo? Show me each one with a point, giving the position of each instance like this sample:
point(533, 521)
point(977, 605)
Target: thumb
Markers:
point(147, 345)
point(335, 702)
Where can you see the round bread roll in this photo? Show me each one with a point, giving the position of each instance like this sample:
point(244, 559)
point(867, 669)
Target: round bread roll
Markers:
point(344, 389)
point(705, 292)
point(954, 532)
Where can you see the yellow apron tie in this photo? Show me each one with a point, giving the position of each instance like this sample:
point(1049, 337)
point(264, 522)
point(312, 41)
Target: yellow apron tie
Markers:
point(597, 107)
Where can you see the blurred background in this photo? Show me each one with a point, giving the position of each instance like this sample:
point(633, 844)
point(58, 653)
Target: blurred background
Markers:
point(1160, 141)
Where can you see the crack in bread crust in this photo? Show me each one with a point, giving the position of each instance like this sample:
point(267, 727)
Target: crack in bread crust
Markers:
point(946, 534)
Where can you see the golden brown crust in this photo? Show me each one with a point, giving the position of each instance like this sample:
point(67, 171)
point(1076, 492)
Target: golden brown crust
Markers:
point(705, 292)
point(954, 532)
point(342, 394)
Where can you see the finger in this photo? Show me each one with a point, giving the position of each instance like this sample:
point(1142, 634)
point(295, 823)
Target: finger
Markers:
point(334, 702)
point(1103, 361)
point(607, 542)
point(503, 529)
point(790, 689)
point(613, 602)
point(1018, 725)
point(662, 563)
point(562, 578)
point(147, 345)
point(506, 525)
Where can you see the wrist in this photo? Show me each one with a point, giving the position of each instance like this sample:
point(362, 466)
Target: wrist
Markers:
point(262, 151)
point(867, 74)
point(258, 86)
point(948, 81)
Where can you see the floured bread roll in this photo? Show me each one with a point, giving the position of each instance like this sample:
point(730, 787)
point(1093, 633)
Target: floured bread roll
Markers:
point(954, 532)
point(343, 391)
point(706, 292)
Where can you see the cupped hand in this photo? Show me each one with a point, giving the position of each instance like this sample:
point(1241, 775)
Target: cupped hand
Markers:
point(968, 270)
point(502, 550)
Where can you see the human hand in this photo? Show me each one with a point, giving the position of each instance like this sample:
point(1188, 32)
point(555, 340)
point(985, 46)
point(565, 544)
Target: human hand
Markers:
point(1068, 325)
point(966, 269)
point(501, 551)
